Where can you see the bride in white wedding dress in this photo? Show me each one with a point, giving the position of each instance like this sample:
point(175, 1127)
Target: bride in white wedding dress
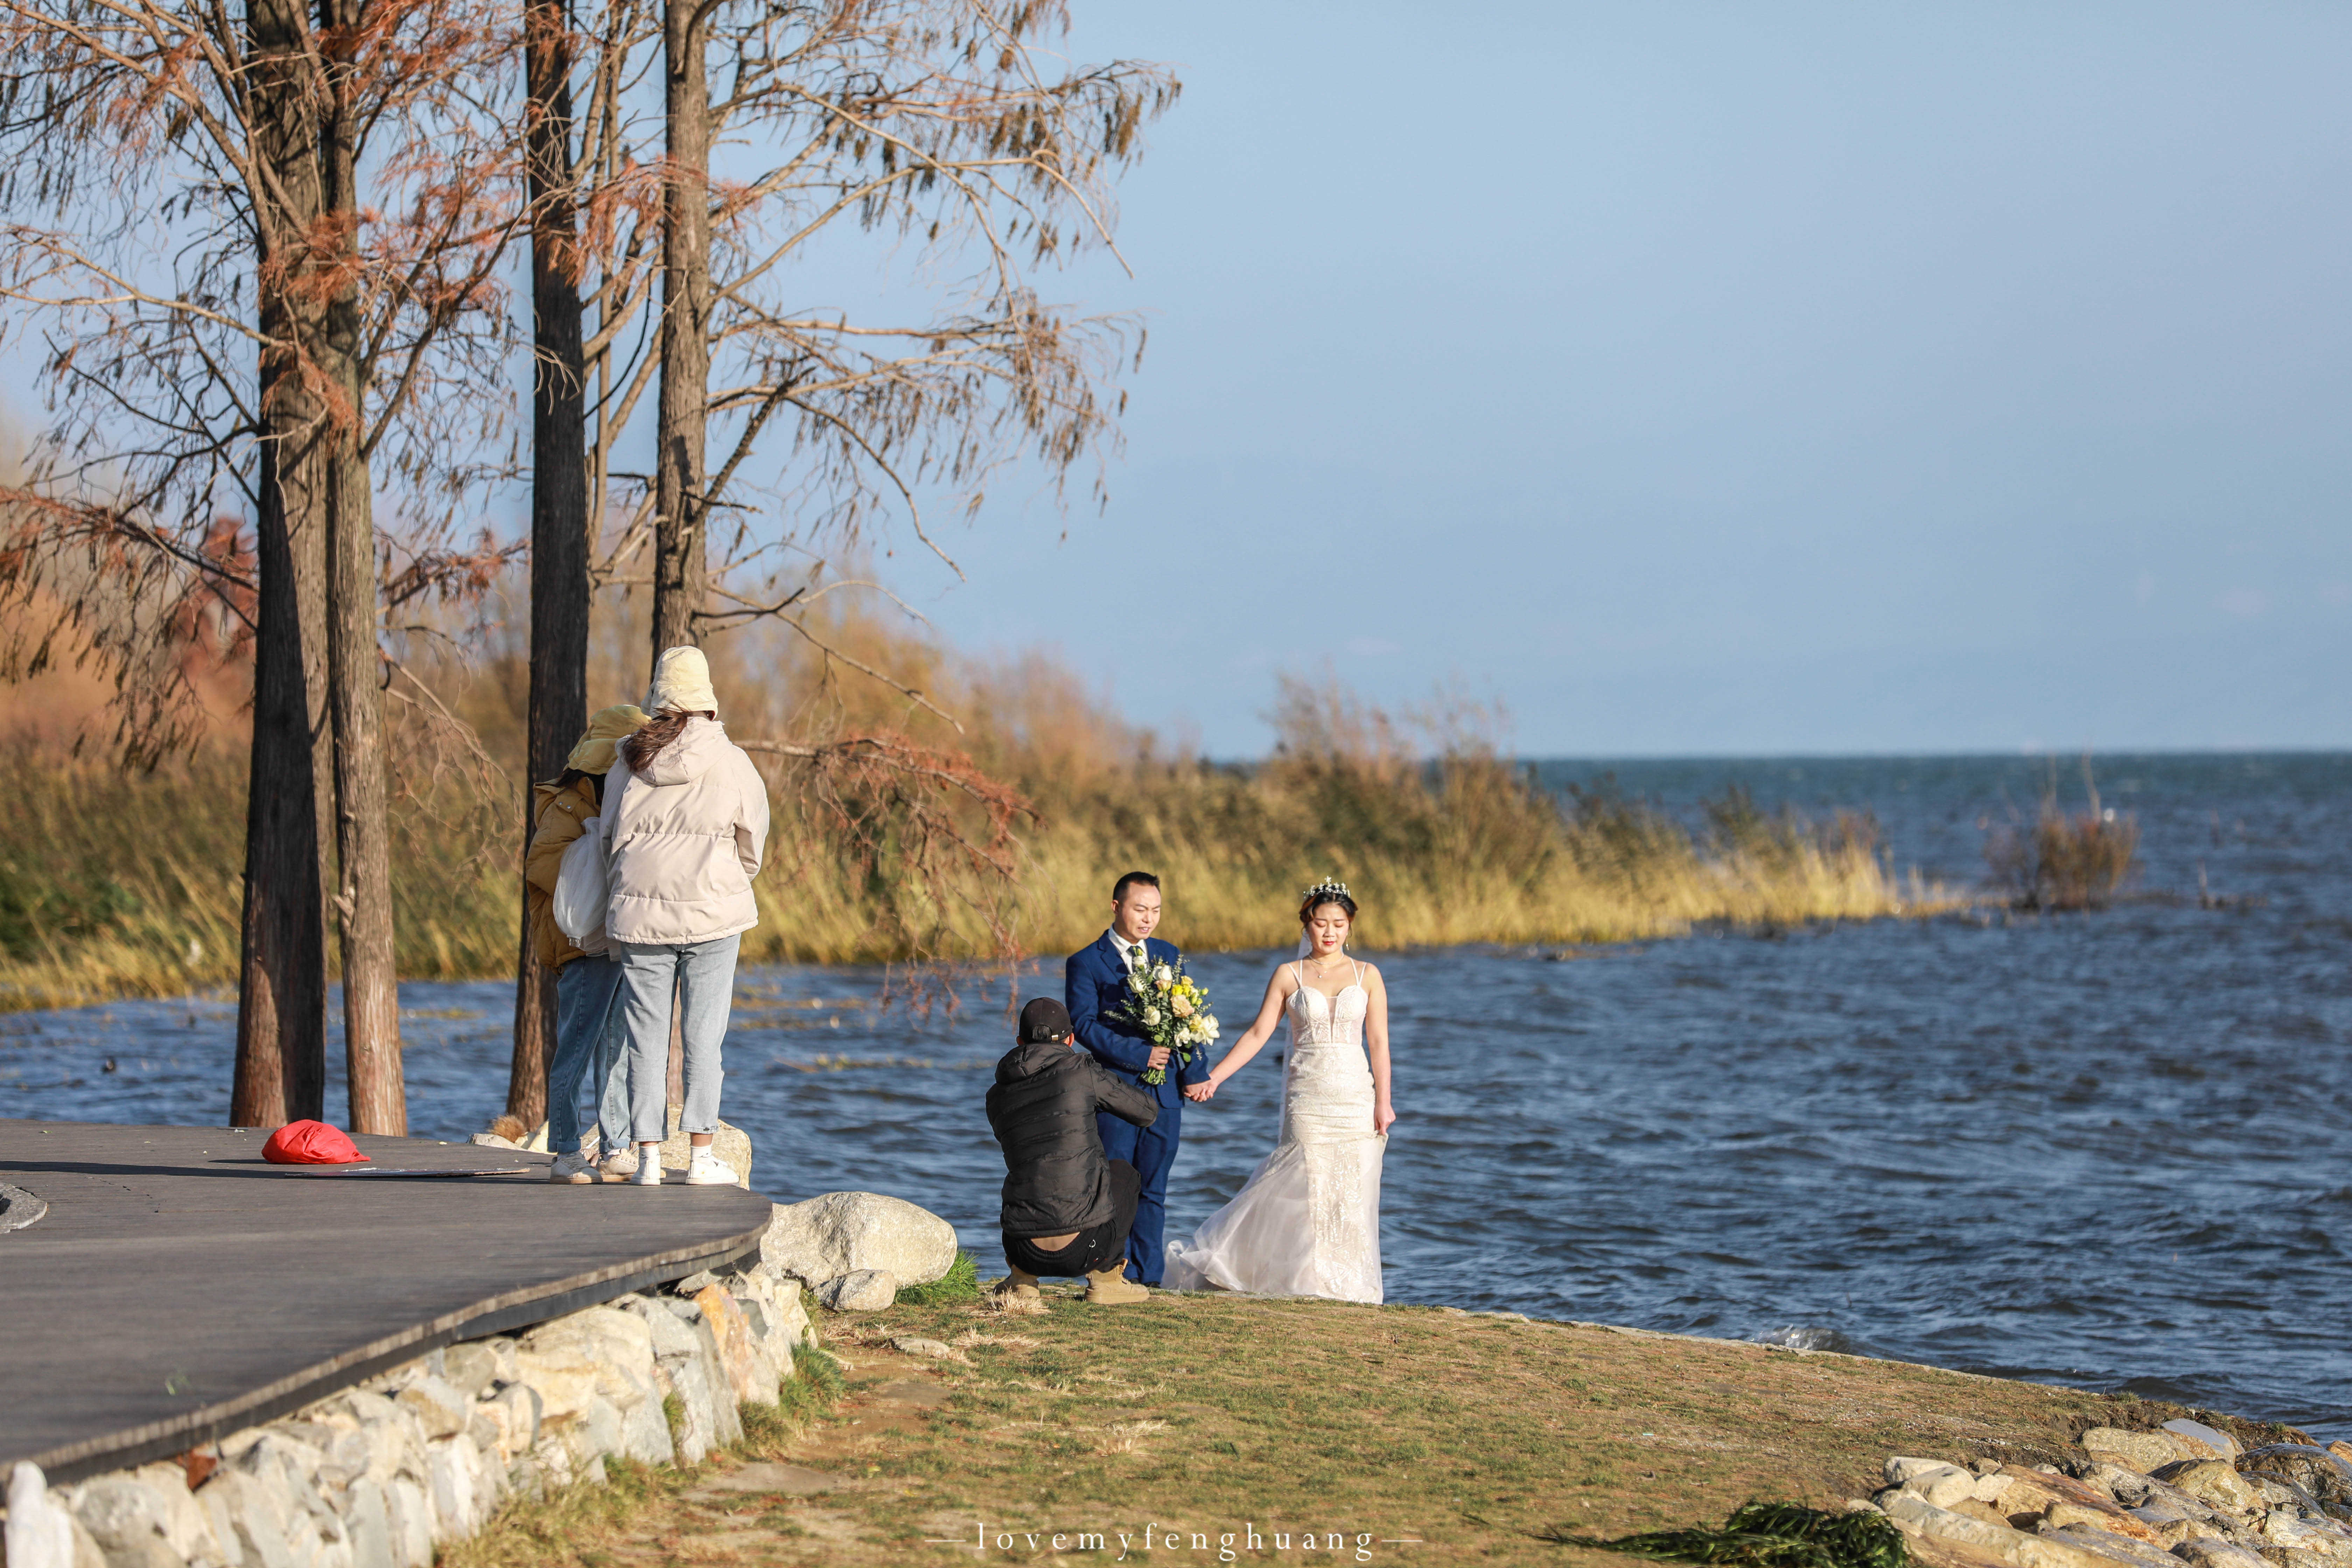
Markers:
point(1307, 1222)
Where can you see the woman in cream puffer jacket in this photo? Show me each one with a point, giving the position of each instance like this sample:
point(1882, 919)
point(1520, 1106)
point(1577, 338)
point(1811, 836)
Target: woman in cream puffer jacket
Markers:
point(684, 823)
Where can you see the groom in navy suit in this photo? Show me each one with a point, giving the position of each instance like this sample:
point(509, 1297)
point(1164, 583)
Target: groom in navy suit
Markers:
point(1095, 983)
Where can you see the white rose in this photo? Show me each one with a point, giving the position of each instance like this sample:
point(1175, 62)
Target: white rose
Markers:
point(1209, 1027)
point(1163, 975)
point(1150, 1017)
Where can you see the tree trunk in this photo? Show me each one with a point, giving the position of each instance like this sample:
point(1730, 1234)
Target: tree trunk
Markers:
point(559, 497)
point(281, 1020)
point(534, 1030)
point(680, 562)
point(379, 1102)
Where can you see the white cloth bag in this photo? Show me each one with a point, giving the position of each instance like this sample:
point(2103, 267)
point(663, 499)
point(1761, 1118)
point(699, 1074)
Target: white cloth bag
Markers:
point(581, 888)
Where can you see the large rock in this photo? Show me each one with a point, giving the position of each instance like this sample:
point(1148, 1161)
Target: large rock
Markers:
point(2146, 1452)
point(476, 1364)
point(41, 1531)
point(770, 1309)
point(2212, 1481)
point(1940, 1483)
point(146, 1518)
point(2204, 1442)
point(2115, 1547)
point(844, 1233)
point(690, 1357)
point(750, 1375)
point(2323, 1538)
point(2210, 1553)
point(2321, 1473)
point(442, 1410)
point(2062, 1501)
point(1921, 1519)
point(866, 1290)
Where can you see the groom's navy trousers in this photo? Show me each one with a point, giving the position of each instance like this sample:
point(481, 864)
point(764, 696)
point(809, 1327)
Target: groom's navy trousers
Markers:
point(1094, 983)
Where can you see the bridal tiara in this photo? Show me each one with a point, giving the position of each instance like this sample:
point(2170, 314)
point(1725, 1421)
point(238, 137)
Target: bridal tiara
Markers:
point(1328, 886)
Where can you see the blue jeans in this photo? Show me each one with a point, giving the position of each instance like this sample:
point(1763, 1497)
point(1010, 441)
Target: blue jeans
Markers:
point(590, 1041)
point(1152, 1152)
point(701, 974)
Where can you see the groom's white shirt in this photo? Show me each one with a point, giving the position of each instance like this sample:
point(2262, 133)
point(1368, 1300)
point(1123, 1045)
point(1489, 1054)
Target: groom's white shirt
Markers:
point(1120, 944)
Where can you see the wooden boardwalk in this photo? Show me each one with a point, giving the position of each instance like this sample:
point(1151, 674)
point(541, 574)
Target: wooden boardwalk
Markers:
point(180, 1287)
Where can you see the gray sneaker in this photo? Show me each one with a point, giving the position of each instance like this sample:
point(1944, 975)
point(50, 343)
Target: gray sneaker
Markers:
point(572, 1167)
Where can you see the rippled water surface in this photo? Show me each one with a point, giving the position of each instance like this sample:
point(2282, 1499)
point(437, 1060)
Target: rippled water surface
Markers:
point(2110, 1151)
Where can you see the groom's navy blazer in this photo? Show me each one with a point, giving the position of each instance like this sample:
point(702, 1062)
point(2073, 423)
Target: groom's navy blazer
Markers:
point(1094, 983)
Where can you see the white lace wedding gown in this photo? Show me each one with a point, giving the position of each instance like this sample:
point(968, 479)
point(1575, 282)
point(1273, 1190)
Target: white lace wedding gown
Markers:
point(1307, 1222)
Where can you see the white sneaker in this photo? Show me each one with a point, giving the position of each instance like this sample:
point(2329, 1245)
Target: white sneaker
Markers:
point(619, 1166)
point(708, 1170)
point(573, 1167)
point(649, 1171)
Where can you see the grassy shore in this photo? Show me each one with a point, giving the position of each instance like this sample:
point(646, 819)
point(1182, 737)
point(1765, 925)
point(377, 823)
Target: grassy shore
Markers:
point(1469, 1436)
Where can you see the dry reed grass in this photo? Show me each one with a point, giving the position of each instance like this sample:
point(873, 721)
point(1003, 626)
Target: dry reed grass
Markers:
point(2064, 860)
point(114, 884)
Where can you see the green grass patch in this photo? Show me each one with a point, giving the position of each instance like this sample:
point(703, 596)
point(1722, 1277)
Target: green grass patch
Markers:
point(959, 1283)
point(802, 1400)
point(674, 1414)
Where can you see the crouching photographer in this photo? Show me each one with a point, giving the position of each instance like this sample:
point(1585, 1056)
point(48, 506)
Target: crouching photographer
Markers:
point(1067, 1207)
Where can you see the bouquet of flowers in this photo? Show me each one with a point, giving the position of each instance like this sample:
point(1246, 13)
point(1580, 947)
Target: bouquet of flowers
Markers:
point(1171, 1009)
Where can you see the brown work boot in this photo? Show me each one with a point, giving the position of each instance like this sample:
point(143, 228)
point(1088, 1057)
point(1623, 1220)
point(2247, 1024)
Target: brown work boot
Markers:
point(1110, 1287)
point(1018, 1286)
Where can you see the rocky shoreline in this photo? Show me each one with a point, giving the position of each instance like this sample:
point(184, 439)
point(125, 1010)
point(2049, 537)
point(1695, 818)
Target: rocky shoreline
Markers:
point(381, 1474)
point(2182, 1493)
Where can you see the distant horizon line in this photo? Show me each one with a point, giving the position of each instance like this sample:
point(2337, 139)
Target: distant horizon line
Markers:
point(2033, 754)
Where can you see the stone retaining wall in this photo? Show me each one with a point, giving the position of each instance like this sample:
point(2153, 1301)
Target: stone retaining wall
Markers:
point(377, 1475)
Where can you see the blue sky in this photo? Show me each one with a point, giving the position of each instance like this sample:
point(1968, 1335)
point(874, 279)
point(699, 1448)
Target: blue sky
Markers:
point(1714, 377)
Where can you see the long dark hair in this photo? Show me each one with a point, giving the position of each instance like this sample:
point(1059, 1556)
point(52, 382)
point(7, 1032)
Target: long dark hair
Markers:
point(654, 736)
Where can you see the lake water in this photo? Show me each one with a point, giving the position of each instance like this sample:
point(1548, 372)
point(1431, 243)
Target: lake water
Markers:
point(2110, 1150)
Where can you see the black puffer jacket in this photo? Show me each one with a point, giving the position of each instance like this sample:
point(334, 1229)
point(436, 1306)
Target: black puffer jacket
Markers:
point(1043, 1113)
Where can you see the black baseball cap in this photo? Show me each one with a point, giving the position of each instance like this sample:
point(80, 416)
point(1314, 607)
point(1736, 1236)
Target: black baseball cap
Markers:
point(1044, 1019)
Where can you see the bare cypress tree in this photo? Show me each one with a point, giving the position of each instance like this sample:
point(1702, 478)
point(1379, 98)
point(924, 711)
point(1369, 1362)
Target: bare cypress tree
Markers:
point(560, 519)
point(681, 560)
point(281, 1022)
point(373, 329)
point(362, 901)
point(945, 127)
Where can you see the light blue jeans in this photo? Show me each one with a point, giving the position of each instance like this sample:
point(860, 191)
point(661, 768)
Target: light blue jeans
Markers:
point(702, 975)
point(591, 1042)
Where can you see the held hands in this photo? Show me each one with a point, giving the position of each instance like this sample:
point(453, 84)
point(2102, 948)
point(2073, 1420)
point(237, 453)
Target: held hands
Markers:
point(1198, 1092)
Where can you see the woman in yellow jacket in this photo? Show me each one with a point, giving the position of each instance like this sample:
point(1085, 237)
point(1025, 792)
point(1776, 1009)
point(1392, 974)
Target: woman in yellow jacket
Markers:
point(590, 1038)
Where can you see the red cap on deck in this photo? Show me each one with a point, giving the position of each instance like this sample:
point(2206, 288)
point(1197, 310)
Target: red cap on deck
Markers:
point(310, 1143)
